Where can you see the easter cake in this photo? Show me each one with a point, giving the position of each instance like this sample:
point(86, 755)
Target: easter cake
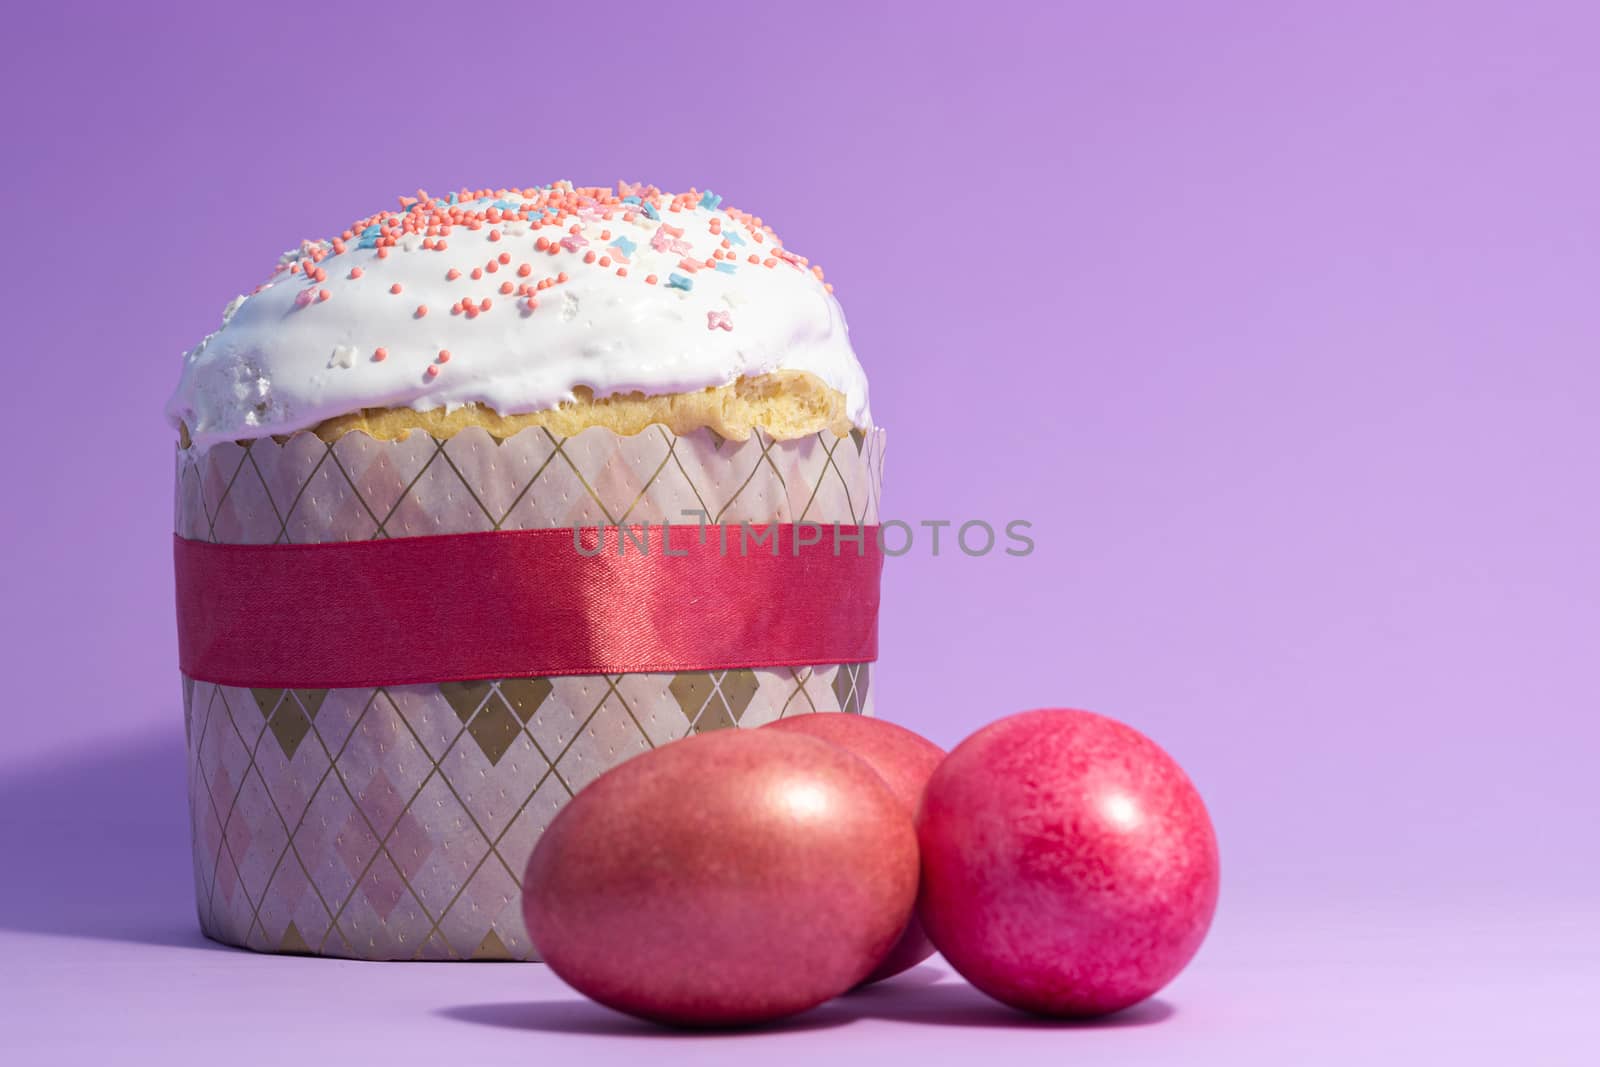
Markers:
point(378, 451)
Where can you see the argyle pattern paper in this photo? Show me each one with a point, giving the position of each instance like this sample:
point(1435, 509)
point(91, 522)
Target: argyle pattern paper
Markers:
point(395, 822)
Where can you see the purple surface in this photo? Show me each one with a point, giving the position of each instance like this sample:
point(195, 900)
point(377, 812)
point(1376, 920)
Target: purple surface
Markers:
point(1289, 327)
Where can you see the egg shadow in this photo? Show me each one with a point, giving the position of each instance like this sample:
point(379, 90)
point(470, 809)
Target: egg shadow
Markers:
point(953, 1002)
point(585, 1018)
point(921, 996)
point(920, 975)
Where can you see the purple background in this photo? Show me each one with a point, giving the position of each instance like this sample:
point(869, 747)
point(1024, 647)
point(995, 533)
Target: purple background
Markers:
point(1280, 325)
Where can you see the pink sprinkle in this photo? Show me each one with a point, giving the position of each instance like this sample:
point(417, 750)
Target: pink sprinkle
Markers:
point(573, 241)
point(664, 242)
point(304, 297)
point(719, 320)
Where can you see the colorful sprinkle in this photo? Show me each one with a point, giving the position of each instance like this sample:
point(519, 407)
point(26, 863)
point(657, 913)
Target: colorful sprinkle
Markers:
point(710, 237)
point(719, 320)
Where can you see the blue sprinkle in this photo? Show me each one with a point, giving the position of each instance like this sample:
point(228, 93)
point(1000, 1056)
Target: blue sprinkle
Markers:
point(726, 266)
point(631, 200)
point(455, 198)
point(733, 235)
point(626, 245)
point(507, 205)
point(709, 199)
point(678, 281)
point(650, 212)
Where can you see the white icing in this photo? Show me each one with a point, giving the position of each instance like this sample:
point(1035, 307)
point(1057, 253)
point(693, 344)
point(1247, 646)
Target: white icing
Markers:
point(284, 360)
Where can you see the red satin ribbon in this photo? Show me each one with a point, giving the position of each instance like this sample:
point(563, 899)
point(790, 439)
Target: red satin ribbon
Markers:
point(522, 604)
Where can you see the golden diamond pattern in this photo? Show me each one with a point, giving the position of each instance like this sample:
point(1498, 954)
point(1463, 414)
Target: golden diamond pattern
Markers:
point(850, 686)
point(394, 822)
point(304, 490)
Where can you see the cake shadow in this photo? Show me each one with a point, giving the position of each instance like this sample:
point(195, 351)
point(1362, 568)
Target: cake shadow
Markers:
point(97, 845)
point(923, 996)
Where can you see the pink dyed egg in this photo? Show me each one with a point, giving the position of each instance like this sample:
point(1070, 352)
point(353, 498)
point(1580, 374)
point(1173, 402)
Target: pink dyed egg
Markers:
point(727, 879)
point(1068, 865)
point(905, 760)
